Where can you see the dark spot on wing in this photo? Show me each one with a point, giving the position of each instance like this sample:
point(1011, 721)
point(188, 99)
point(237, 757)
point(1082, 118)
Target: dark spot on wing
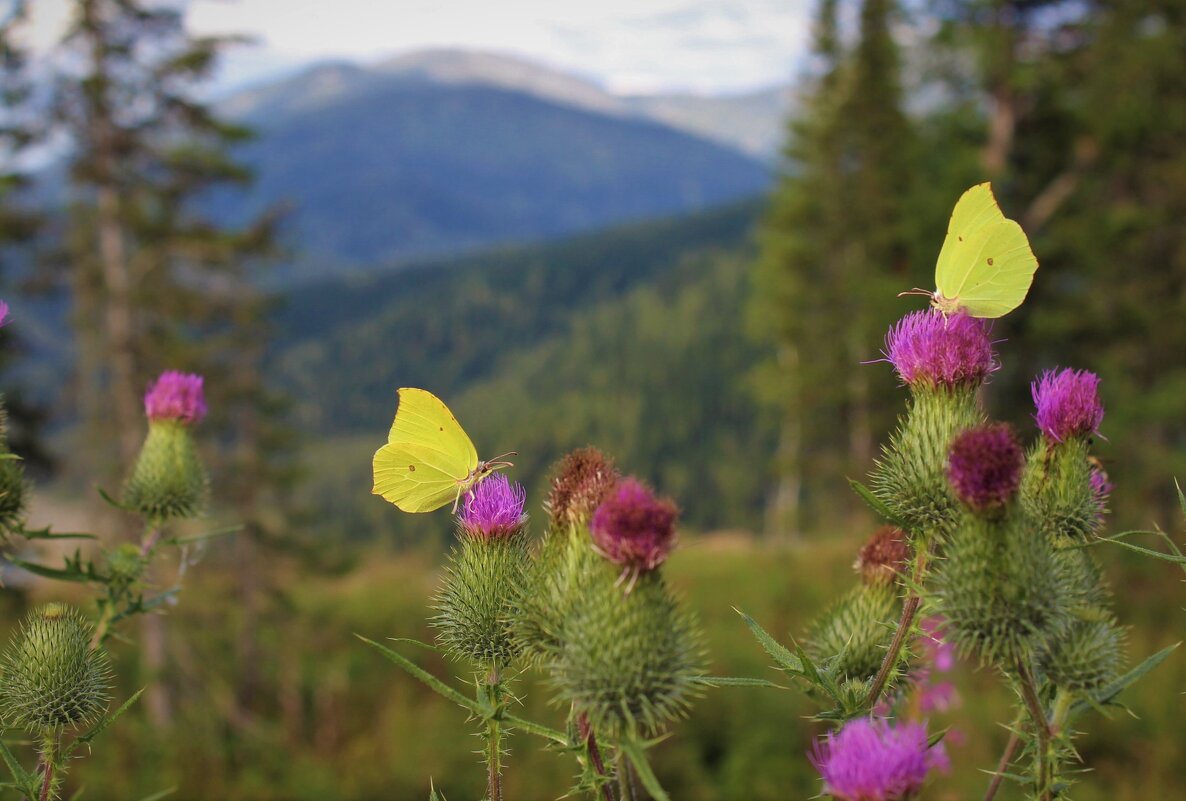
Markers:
point(961, 238)
point(412, 468)
point(990, 261)
point(440, 428)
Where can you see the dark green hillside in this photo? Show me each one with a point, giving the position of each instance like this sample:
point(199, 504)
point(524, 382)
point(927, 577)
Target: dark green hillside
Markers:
point(343, 347)
point(399, 167)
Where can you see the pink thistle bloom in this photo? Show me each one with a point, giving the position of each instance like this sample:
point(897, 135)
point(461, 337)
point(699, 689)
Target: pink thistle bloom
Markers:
point(933, 349)
point(938, 653)
point(870, 760)
point(1068, 403)
point(176, 396)
point(633, 528)
point(984, 466)
point(494, 508)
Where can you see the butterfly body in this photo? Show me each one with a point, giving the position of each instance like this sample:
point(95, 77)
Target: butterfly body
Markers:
point(428, 459)
point(986, 265)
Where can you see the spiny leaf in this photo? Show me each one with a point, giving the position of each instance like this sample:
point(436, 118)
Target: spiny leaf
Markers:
point(105, 722)
point(1178, 559)
point(536, 729)
point(876, 504)
point(46, 534)
point(432, 681)
point(781, 655)
point(14, 767)
point(1108, 694)
point(637, 757)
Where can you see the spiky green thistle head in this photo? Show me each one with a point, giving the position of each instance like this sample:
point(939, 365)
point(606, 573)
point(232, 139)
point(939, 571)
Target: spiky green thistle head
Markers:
point(911, 476)
point(852, 636)
point(1061, 490)
point(168, 480)
point(485, 579)
point(627, 660)
point(999, 588)
point(1085, 657)
point(52, 678)
point(125, 564)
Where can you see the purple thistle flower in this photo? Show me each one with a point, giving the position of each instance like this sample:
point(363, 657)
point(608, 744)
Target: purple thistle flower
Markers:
point(870, 760)
point(936, 651)
point(984, 466)
point(494, 508)
point(176, 396)
point(1068, 403)
point(633, 528)
point(930, 348)
point(883, 556)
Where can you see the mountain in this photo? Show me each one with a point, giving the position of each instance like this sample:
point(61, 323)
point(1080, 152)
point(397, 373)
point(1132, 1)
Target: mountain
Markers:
point(753, 123)
point(381, 168)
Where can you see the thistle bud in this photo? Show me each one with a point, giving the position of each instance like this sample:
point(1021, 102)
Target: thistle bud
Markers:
point(883, 557)
point(999, 587)
point(633, 528)
point(1063, 491)
point(51, 677)
point(168, 479)
point(854, 633)
point(628, 660)
point(984, 466)
point(485, 576)
point(1086, 657)
point(581, 482)
point(125, 565)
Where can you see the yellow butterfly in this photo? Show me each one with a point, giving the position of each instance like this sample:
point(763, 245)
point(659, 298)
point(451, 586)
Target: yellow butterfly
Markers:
point(428, 460)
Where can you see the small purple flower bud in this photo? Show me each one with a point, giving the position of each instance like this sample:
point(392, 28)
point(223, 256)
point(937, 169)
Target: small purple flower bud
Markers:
point(1068, 403)
point(870, 760)
point(633, 528)
point(494, 508)
point(933, 349)
point(984, 466)
point(176, 396)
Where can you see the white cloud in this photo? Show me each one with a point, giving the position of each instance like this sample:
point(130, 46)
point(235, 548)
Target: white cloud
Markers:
point(629, 45)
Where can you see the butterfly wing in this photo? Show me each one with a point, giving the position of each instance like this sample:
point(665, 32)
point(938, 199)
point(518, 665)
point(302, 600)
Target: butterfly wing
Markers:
point(1001, 270)
point(428, 456)
point(986, 265)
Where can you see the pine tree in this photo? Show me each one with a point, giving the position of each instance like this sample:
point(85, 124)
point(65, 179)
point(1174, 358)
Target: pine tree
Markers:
point(833, 249)
point(156, 282)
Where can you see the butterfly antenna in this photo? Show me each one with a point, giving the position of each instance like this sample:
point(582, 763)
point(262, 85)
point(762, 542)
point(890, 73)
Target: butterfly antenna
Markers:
point(500, 461)
point(917, 291)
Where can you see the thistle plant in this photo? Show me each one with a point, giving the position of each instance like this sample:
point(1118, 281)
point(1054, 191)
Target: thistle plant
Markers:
point(996, 537)
point(55, 676)
point(586, 605)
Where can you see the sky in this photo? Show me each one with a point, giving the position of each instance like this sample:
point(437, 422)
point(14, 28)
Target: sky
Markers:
point(629, 46)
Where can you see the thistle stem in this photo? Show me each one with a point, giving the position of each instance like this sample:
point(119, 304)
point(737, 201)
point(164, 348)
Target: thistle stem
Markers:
point(909, 610)
point(494, 742)
point(48, 758)
point(590, 739)
point(151, 538)
point(626, 789)
point(1006, 758)
point(1029, 694)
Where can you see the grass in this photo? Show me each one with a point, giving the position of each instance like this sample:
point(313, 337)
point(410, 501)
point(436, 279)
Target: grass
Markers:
point(329, 718)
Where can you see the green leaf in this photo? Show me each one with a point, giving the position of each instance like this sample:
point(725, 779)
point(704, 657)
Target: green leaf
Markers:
point(1109, 693)
point(46, 534)
point(432, 792)
point(876, 504)
point(73, 571)
point(432, 681)
point(781, 655)
point(735, 681)
point(102, 725)
point(113, 502)
point(19, 775)
point(209, 535)
point(536, 729)
point(1181, 496)
point(638, 759)
point(1178, 558)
